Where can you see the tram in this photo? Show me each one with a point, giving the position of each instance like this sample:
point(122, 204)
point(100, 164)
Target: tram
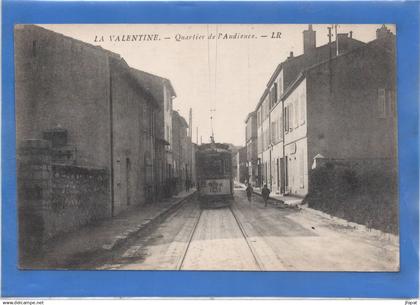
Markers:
point(214, 175)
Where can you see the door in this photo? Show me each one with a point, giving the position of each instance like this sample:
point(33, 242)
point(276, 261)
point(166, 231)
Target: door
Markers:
point(282, 175)
point(127, 179)
point(278, 174)
point(286, 174)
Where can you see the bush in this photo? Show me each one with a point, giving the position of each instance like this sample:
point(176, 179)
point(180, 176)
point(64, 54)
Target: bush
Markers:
point(369, 198)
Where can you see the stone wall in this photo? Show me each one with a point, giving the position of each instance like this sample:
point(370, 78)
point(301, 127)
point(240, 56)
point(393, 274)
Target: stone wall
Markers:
point(79, 195)
point(34, 191)
point(55, 198)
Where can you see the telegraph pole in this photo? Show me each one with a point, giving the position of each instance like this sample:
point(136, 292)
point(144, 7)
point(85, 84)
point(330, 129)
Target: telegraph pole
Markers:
point(330, 55)
point(336, 39)
point(211, 124)
point(190, 123)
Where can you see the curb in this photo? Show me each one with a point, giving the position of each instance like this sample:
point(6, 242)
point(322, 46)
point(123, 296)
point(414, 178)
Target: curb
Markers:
point(277, 200)
point(146, 224)
point(84, 258)
point(357, 226)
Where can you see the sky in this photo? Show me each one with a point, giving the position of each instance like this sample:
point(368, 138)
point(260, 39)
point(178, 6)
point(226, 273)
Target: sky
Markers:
point(209, 69)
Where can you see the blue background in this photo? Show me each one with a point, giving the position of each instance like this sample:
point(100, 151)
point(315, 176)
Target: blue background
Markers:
point(159, 283)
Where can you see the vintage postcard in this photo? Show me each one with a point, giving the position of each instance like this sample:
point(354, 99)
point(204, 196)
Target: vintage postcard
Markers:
point(257, 147)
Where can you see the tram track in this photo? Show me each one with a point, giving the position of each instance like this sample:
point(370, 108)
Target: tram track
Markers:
point(246, 237)
point(242, 231)
point(181, 261)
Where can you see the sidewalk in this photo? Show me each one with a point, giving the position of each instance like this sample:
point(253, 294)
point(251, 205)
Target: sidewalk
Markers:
point(277, 199)
point(75, 247)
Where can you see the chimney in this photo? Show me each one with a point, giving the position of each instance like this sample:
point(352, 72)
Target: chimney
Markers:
point(383, 32)
point(351, 34)
point(342, 43)
point(291, 55)
point(309, 40)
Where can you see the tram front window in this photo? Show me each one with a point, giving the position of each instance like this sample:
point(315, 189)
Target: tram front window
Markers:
point(213, 168)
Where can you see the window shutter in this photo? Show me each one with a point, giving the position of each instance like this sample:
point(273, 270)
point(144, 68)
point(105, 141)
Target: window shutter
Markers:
point(290, 114)
point(381, 107)
point(391, 104)
point(285, 128)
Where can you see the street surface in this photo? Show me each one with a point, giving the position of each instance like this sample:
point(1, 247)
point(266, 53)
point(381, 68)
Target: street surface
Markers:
point(248, 236)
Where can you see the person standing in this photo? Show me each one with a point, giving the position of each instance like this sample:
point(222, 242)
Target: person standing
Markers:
point(249, 192)
point(265, 192)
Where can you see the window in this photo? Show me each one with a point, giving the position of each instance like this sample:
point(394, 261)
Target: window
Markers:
point(302, 108)
point(392, 103)
point(381, 107)
point(263, 111)
point(259, 117)
point(265, 107)
point(279, 128)
point(286, 119)
point(273, 95)
point(290, 114)
point(280, 86)
point(263, 141)
point(266, 138)
point(273, 132)
point(213, 168)
point(260, 141)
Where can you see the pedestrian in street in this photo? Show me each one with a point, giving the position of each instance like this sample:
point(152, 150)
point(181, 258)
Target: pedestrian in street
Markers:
point(249, 191)
point(265, 192)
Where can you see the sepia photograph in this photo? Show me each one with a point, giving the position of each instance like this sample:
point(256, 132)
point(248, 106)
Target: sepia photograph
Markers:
point(209, 147)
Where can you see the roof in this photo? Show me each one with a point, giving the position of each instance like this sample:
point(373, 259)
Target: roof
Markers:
point(386, 45)
point(293, 66)
point(253, 113)
point(180, 118)
point(120, 63)
point(215, 147)
point(85, 44)
point(149, 83)
point(153, 83)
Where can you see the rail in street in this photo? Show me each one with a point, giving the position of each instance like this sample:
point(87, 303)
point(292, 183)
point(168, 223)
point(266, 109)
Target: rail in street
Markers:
point(247, 236)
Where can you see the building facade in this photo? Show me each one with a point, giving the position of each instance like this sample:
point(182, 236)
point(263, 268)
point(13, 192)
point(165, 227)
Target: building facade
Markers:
point(162, 91)
point(251, 141)
point(182, 153)
point(133, 123)
point(242, 173)
point(319, 104)
point(96, 121)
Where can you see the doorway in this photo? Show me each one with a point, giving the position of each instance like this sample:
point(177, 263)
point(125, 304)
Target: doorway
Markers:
point(127, 179)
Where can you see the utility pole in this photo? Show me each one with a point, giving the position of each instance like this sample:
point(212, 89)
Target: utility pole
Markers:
point(329, 39)
point(211, 124)
point(336, 39)
point(196, 135)
point(330, 56)
point(190, 125)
